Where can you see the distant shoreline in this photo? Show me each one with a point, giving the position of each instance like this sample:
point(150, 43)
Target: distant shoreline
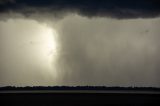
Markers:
point(79, 88)
point(81, 91)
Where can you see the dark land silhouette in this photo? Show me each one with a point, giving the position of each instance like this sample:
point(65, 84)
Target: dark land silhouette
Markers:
point(79, 96)
point(79, 88)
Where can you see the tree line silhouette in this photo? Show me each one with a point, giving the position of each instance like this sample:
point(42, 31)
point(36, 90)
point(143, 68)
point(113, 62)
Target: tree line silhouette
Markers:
point(78, 88)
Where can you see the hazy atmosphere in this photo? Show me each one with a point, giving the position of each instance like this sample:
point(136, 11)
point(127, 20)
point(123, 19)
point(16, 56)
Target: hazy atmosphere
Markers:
point(80, 42)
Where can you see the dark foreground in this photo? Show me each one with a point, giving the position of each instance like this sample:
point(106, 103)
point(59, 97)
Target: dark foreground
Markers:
point(78, 98)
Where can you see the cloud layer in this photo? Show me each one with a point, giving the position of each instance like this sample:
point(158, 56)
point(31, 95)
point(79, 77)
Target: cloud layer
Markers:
point(109, 52)
point(119, 9)
point(94, 46)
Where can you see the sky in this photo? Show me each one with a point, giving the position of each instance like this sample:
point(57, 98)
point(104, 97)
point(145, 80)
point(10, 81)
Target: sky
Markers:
point(80, 42)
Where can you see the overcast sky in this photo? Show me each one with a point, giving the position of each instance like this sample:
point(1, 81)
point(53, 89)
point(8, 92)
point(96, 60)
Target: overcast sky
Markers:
point(76, 42)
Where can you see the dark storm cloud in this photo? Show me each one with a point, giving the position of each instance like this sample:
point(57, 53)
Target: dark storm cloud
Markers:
point(90, 8)
point(90, 51)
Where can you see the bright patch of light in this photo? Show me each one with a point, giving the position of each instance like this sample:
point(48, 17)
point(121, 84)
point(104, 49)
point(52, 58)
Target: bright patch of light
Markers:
point(47, 41)
point(47, 46)
point(28, 52)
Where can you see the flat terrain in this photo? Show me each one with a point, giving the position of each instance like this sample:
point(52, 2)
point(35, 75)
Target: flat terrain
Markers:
point(79, 98)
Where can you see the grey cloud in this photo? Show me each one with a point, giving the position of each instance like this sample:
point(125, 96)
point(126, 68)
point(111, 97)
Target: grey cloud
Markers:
point(119, 9)
point(92, 51)
point(2, 2)
point(108, 52)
